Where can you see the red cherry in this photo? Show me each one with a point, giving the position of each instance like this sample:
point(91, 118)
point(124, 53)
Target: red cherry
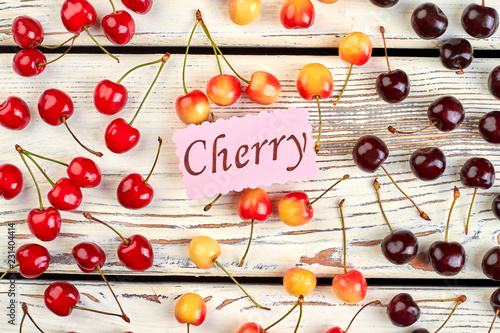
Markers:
point(223, 89)
point(25, 62)
point(88, 256)
point(193, 108)
point(137, 255)
point(297, 14)
point(27, 32)
point(295, 209)
point(250, 328)
point(254, 204)
point(110, 97)
point(264, 88)
point(53, 105)
point(44, 224)
point(75, 14)
point(335, 330)
point(33, 260)
point(11, 181)
point(138, 6)
point(65, 195)
point(350, 287)
point(61, 297)
point(84, 172)
point(14, 113)
point(132, 193)
point(119, 27)
point(120, 137)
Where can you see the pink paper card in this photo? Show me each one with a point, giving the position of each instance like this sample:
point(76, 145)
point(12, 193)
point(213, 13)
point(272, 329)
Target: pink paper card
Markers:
point(249, 151)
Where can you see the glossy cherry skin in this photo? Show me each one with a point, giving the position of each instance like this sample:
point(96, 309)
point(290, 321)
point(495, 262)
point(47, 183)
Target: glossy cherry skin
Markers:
point(335, 330)
point(25, 62)
point(118, 27)
point(369, 153)
point(480, 21)
point(84, 172)
point(14, 113)
point(138, 6)
point(456, 51)
point(132, 193)
point(350, 287)
point(489, 127)
point(203, 251)
point(402, 310)
point(494, 82)
point(299, 282)
point(495, 206)
point(447, 111)
point(429, 21)
point(27, 31)
point(190, 309)
point(120, 137)
point(491, 263)
point(264, 88)
point(137, 255)
point(478, 172)
point(384, 3)
point(297, 14)
point(60, 297)
point(44, 225)
point(75, 14)
point(89, 256)
point(355, 48)
point(11, 181)
point(65, 195)
point(420, 330)
point(294, 209)
point(250, 327)
point(33, 260)
point(223, 89)
point(495, 300)
point(53, 105)
point(110, 97)
point(393, 87)
point(447, 258)
point(400, 247)
point(243, 12)
point(254, 204)
point(428, 163)
point(193, 108)
point(314, 80)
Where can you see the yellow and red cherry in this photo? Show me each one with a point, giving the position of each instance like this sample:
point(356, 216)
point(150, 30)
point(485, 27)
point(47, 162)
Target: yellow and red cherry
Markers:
point(299, 282)
point(263, 88)
point(193, 107)
point(190, 309)
point(328, 1)
point(297, 14)
point(224, 89)
point(243, 12)
point(250, 327)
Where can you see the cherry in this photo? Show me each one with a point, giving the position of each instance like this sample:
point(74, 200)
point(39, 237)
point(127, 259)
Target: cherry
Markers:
point(193, 107)
point(119, 27)
point(495, 304)
point(65, 195)
point(32, 260)
point(384, 3)
point(27, 32)
point(476, 172)
point(480, 21)
point(14, 113)
point(491, 263)
point(243, 12)
point(456, 53)
point(494, 82)
point(297, 14)
point(339, 330)
point(138, 6)
point(495, 206)
point(489, 127)
point(44, 224)
point(223, 90)
point(190, 309)
point(250, 327)
point(84, 172)
point(134, 192)
point(447, 258)
point(295, 209)
point(429, 21)
point(428, 163)
point(11, 181)
point(29, 62)
point(254, 205)
point(393, 86)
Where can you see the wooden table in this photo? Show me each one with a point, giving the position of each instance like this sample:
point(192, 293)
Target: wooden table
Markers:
point(172, 219)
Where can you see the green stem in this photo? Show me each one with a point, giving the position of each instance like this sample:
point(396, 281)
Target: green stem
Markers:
point(137, 67)
point(242, 261)
point(90, 217)
point(345, 85)
point(281, 319)
point(124, 316)
point(470, 211)
point(341, 204)
point(45, 158)
point(160, 141)
point(41, 170)
point(96, 153)
point(376, 185)
point(316, 146)
point(97, 311)
point(456, 195)
point(113, 5)
point(357, 313)
point(62, 55)
point(322, 194)
point(100, 46)
point(449, 316)
point(300, 318)
point(58, 46)
point(7, 271)
point(185, 59)
point(20, 150)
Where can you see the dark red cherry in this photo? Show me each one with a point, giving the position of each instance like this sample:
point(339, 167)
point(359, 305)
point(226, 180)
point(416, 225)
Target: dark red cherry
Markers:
point(447, 112)
point(420, 330)
point(138, 6)
point(33, 260)
point(477, 172)
point(402, 310)
point(53, 105)
point(133, 193)
point(384, 3)
point(14, 113)
point(429, 21)
point(75, 14)
point(428, 163)
point(11, 181)
point(369, 153)
point(447, 258)
point(480, 21)
point(110, 97)
point(495, 206)
point(120, 137)
point(84, 172)
point(400, 247)
point(495, 300)
point(88, 256)
point(489, 127)
point(118, 27)
point(491, 263)
point(393, 87)
point(46, 224)
point(25, 62)
point(27, 32)
point(494, 82)
point(60, 297)
point(456, 53)
point(65, 195)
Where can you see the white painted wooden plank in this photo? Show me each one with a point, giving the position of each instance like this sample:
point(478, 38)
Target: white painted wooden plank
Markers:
point(172, 219)
point(150, 307)
point(170, 22)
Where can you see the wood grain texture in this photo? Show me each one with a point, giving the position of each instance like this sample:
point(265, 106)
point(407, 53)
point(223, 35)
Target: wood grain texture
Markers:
point(172, 219)
point(168, 24)
point(151, 306)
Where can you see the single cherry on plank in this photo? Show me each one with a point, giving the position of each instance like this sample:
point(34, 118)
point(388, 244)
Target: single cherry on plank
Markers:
point(29, 62)
point(11, 181)
point(250, 327)
point(139, 6)
point(480, 21)
point(14, 113)
point(119, 26)
point(243, 12)
point(495, 304)
point(190, 309)
point(32, 260)
point(27, 32)
point(339, 330)
point(428, 21)
point(297, 14)
point(489, 127)
point(491, 263)
point(428, 163)
point(456, 53)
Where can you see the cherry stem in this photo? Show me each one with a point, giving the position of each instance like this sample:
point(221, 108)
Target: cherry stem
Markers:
point(216, 57)
point(234, 280)
point(316, 145)
point(24, 306)
point(7, 271)
point(124, 316)
point(62, 55)
point(210, 205)
point(482, 3)
point(394, 131)
point(456, 195)
point(345, 85)
point(88, 216)
point(20, 151)
point(299, 302)
point(421, 212)
point(376, 185)
point(164, 60)
point(322, 194)
point(44, 158)
point(459, 301)
point(185, 59)
point(137, 67)
point(187, 327)
point(58, 46)
point(113, 5)
point(300, 317)
point(41, 170)
point(493, 322)
point(96, 153)
point(341, 204)
point(382, 31)
point(376, 302)
point(101, 312)
point(470, 211)
point(461, 71)
point(100, 46)
point(160, 141)
point(242, 261)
